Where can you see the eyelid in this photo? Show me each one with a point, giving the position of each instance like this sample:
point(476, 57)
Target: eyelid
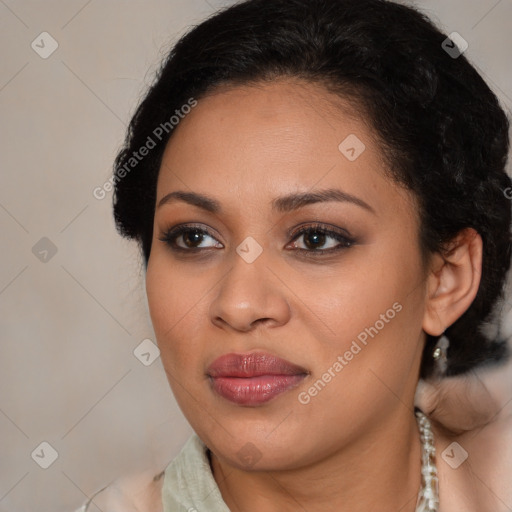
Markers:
point(321, 226)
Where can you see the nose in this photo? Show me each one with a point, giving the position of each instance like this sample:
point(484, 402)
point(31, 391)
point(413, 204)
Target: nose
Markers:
point(250, 294)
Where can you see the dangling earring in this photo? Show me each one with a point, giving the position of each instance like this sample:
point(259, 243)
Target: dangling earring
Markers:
point(440, 355)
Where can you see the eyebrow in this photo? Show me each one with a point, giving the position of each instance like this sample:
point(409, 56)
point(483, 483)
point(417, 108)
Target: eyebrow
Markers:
point(281, 204)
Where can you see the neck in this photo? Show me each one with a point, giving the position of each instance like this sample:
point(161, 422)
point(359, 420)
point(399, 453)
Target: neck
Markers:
point(381, 471)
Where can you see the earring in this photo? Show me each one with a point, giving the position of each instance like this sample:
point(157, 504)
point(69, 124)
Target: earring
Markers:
point(440, 355)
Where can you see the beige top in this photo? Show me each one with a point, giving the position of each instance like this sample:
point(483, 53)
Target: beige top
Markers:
point(186, 485)
point(189, 485)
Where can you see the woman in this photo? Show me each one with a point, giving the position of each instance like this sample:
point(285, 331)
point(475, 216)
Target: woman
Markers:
point(317, 188)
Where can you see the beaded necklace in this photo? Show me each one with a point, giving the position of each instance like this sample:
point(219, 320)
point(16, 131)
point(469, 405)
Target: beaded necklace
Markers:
point(428, 497)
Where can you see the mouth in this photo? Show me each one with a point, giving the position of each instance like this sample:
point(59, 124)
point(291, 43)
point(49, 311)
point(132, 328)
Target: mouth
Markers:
point(253, 379)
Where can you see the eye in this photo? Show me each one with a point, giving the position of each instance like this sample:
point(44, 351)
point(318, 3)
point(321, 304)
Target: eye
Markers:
point(316, 235)
point(192, 238)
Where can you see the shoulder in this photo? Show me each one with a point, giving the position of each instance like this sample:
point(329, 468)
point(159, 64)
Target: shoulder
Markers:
point(471, 418)
point(140, 492)
point(475, 468)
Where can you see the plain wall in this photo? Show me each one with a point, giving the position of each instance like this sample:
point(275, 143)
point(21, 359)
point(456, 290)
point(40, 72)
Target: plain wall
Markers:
point(69, 325)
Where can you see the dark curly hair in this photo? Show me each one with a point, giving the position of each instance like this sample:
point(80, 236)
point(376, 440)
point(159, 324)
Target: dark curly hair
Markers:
point(441, 129)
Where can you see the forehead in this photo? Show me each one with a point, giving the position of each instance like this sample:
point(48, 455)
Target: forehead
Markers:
point(270, 139)
point(294, 109)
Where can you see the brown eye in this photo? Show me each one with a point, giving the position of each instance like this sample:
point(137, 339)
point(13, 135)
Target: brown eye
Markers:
point(315, 237)
point(191, 238)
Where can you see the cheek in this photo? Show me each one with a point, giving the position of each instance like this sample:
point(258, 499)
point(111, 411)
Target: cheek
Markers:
point(175, 310)
point(162, 297)
point(357, 297)
point(376, 302)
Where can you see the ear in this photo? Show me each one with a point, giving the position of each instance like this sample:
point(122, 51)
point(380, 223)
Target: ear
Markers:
point(453, 281)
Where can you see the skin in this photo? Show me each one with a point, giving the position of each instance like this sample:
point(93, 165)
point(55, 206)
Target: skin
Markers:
point(355, 446)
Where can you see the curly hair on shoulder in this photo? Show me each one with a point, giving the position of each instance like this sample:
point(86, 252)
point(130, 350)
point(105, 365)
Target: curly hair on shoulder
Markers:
point(441, 129)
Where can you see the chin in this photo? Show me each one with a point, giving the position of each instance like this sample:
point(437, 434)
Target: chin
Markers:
point(256, 446)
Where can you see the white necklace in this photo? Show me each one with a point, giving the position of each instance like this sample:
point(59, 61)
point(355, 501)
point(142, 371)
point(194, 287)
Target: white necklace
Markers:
point(428, 497)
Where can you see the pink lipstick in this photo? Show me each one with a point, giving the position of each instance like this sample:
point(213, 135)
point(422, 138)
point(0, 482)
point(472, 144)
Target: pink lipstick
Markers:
point(253, 379)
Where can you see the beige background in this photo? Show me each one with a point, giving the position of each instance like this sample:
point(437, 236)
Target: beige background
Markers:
point(69, 326)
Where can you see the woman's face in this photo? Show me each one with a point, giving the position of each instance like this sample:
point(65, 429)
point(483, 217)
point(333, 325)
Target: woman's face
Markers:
point(343, 308)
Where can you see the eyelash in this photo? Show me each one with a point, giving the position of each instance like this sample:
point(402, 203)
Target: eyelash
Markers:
point(169, 237)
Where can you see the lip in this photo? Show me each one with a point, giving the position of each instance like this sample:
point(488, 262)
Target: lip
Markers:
point(253, 378)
